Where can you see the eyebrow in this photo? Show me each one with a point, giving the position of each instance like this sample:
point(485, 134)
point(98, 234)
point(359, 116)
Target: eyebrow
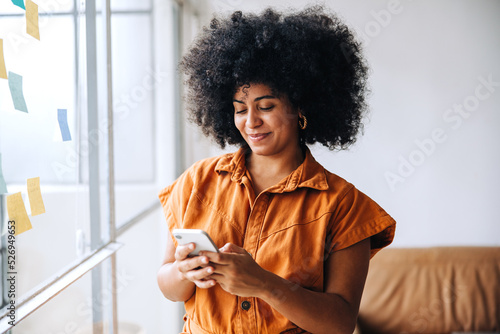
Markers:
point(257, 98)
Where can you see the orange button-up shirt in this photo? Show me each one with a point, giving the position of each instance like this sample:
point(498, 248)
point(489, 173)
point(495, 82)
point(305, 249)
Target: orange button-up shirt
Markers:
point(289, 229)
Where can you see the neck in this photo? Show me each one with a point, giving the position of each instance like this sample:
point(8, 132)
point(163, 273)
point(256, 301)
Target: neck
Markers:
point(277, 165)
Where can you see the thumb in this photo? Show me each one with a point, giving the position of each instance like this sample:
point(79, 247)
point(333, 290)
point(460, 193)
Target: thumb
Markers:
point(232, 248)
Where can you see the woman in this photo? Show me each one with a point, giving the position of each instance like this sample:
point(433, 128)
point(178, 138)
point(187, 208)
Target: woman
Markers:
point(295, 239)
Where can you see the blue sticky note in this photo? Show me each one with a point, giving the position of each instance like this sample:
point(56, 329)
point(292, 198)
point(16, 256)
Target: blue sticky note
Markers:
point(62, 117)
point(16, 90)
point(19, 3)
point(3, 186)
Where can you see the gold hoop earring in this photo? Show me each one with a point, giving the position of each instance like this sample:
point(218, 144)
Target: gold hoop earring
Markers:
point(302, 122)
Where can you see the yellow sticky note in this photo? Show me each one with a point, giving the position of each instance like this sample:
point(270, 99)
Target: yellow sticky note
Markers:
point(17, 213)
point(35, 196)
point(32, 19)
point(3, 70)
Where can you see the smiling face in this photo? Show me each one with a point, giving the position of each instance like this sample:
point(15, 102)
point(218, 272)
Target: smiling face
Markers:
point(268, 123)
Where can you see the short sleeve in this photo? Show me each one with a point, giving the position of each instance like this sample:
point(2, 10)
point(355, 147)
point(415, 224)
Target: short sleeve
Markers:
point(359, 217)
point(174, 200)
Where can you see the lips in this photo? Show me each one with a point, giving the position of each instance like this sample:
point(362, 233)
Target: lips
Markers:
point(256, 137)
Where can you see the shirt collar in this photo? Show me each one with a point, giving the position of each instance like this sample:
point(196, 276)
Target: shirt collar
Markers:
point(309, 174)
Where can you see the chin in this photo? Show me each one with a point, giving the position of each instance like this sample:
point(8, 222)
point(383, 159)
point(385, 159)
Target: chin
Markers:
point(259, 150)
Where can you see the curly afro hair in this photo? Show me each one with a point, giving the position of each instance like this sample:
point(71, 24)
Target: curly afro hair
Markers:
point(310, 56)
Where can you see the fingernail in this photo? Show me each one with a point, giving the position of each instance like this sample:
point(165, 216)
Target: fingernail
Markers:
point(210, 270)
point(204, 260)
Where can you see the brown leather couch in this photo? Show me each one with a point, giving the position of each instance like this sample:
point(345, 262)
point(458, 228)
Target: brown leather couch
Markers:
point(432, 290)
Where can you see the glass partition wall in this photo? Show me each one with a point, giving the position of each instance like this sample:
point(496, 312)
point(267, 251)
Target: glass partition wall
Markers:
point(101, 61)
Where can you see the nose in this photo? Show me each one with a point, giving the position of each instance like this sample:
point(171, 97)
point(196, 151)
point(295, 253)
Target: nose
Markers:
point(253, 119)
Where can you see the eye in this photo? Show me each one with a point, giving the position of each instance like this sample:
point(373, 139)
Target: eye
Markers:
point(266, 108)
point(239, 111)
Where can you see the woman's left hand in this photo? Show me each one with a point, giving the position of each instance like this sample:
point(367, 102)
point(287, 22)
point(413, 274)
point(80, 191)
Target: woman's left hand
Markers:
point(236, 271)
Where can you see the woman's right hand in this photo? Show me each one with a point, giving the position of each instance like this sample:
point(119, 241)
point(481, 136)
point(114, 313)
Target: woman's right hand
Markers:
point(195, 269)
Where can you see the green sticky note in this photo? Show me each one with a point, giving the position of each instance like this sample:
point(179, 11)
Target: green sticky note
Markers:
point(16, 90)
point(19, 3)
point(3, 185)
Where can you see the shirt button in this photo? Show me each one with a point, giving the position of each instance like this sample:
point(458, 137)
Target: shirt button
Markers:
point(245, 305)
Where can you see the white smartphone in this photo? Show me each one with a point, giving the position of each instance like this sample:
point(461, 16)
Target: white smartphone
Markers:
point(200, 238)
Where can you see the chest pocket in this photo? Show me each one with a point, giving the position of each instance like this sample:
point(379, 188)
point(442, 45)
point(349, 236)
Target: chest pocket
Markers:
point(209, 211)
point(294, 237)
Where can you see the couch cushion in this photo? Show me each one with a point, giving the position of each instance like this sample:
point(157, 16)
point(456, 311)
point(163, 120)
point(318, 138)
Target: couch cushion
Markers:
point(432, 290)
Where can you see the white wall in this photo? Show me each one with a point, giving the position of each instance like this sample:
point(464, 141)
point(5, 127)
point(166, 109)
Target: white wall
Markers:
point(428, 59)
